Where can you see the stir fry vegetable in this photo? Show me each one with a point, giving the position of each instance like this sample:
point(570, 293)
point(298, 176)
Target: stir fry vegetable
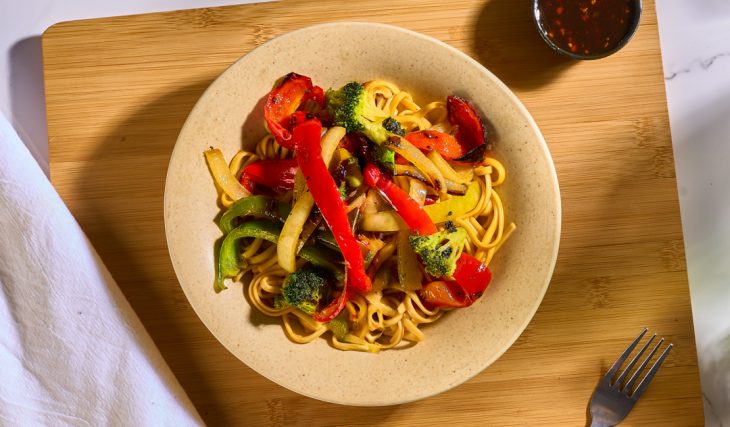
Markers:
point(349, 108)
point(272, 174)
point(222, 175)
point(255, 206)
point(284, 101)
point(307, 288)
point(410, 276)
point(440, 251)
point(471, 132)
point(443, 143)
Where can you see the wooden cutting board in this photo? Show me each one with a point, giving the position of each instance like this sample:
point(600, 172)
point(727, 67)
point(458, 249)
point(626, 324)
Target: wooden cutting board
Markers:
point(119, 89)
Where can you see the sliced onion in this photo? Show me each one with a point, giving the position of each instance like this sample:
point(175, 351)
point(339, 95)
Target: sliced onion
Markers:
point(413, 172)
point(223, 176)
point(418, 191)
point(415, 156)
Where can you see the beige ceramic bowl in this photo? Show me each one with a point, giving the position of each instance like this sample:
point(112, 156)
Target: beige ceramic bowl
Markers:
point(462, 343)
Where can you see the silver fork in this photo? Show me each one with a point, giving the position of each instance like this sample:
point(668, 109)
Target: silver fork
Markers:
point(611, 401)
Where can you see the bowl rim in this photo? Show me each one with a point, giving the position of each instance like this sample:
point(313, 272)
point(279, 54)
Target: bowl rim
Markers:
point(485, 363)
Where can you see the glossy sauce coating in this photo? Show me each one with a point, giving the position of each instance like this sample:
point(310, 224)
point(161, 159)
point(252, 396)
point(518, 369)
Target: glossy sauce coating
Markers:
point(586, 27)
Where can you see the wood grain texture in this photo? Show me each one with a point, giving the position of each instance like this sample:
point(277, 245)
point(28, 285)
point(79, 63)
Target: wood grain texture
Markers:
point(119, 89)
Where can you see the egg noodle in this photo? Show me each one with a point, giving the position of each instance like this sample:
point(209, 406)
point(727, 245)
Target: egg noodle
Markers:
point(388, 315)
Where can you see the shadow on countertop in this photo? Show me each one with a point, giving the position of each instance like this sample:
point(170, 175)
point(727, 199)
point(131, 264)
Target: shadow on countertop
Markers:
point(508, 44)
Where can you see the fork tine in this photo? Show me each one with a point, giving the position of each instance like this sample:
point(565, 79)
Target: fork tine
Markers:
point(641, 367)
point(633, 362)
point(647, 379)
point(617, 364)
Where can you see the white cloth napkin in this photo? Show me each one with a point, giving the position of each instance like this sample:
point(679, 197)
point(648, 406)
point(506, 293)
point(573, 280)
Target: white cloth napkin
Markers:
point(72, 351)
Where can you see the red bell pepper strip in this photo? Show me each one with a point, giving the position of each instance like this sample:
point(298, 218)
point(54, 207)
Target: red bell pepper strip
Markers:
point(472, 275)
point(443, 143)
point(316, 95)
point(306, 137)
point(446, 294)
point(284, 100)
point(412, 213)
point(471, 132)
point(333, 308)
point(273, 174)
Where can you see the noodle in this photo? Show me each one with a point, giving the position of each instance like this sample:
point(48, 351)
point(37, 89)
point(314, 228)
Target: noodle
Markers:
point(388, 316)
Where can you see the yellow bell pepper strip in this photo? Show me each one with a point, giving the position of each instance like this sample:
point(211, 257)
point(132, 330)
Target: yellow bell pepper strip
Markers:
point(306, 138)
point(230, 262)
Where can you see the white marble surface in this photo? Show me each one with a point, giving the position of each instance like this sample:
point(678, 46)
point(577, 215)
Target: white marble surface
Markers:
point(695, 42)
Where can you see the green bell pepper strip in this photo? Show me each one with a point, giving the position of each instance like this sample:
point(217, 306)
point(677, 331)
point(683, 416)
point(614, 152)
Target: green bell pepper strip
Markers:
point(326, 238)
point(230, 263)
point(257, 206)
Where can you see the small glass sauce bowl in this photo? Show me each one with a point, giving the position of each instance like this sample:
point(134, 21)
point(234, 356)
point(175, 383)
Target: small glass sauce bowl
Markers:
point(586, 29)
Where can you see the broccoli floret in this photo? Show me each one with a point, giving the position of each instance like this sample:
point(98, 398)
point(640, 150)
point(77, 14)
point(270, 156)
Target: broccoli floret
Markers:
point(393, 126)
point(349, 108)
point(384, 156)
point(449, 225)
point(306, 288)
point(279, 302)
point(343, 190)
point(339, 327)
point(439, 251)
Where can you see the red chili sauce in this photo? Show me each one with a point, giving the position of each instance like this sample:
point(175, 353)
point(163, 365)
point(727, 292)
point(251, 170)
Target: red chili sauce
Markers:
point(586, 27)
